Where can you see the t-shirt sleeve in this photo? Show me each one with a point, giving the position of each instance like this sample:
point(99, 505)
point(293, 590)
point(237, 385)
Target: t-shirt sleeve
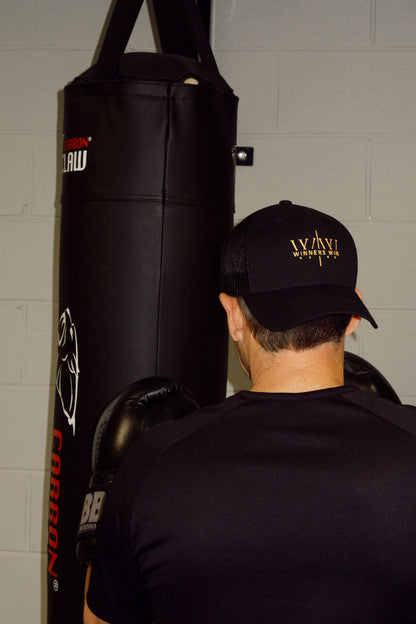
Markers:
point(116, 592)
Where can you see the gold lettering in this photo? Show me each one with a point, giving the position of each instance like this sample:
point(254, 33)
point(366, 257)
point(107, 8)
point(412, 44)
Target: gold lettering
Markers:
point(319, 240)
point(326, 247)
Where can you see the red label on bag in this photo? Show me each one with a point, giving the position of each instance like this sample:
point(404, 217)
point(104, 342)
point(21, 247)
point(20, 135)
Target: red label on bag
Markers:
point(75, 154)
point(76, 143)
point(54, 506)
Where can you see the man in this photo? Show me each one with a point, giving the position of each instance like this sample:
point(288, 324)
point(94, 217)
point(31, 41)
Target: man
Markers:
point(291, 503)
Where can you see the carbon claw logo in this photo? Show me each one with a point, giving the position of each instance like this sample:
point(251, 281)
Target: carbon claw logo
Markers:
point(316, 246)
point(68, 369)
point(75, 154)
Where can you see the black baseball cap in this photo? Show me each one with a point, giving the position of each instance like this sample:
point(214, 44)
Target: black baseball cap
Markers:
point(292, 264)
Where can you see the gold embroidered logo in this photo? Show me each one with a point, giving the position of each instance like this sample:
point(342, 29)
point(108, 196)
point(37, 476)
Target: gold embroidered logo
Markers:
point(317, 246)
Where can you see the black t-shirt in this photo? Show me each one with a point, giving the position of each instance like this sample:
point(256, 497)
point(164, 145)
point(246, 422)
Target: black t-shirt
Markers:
point(280, 508)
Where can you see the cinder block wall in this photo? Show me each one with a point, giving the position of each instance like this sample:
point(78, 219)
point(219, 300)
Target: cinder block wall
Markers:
point(328, 96)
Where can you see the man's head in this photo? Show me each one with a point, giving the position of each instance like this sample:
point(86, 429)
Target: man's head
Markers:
point(293, 269)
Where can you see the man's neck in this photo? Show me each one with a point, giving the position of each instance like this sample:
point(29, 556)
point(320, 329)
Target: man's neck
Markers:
point(298, 371)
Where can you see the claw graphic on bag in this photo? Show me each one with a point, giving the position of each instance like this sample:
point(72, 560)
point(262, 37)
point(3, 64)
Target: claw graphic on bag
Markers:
point(68, 369)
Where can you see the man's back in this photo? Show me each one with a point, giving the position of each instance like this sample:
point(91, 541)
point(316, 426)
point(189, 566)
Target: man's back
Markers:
point(286, 508)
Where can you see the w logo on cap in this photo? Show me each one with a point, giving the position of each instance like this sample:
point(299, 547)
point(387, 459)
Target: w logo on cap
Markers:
point(315, 246)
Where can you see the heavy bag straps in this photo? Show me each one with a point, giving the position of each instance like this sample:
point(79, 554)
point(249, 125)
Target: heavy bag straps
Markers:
point(116, 38)
point(122, 23)
point(173, 33)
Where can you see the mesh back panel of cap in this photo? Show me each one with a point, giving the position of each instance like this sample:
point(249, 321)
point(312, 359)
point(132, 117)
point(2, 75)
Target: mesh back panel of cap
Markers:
point(234, 275)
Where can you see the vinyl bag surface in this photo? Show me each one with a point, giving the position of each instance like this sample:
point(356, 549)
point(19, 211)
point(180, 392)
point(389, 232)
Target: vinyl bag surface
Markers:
point(147, 199)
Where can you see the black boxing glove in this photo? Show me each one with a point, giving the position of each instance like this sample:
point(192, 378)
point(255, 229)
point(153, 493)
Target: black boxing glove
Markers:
point(359, 372)
point(139, 407)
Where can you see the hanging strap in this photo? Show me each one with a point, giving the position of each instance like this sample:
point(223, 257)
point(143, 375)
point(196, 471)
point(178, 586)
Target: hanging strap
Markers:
point(172, 31)
point(185, 17)
point(173, 34)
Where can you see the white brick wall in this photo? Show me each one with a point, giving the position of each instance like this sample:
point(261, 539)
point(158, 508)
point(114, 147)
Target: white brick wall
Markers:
point(328, 96)
point(328, 101)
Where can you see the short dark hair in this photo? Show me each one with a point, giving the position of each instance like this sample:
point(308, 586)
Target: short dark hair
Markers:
point(305, 336)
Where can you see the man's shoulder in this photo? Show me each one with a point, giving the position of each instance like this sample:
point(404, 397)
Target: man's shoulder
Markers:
point(398, 415)
point(155, 442)
point(167, 434)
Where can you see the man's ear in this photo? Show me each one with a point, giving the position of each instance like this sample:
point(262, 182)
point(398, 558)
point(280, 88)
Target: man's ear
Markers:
point(355, 320)
point(352, 325)
point(235, 318)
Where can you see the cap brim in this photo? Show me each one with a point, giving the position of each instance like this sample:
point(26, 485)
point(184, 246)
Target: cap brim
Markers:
point(283, 309)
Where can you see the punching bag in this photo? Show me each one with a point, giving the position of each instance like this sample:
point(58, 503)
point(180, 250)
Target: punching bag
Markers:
point(147, 199)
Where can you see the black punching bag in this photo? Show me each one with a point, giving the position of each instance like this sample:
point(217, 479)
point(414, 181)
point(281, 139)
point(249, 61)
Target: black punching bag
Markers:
point(148, 193)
